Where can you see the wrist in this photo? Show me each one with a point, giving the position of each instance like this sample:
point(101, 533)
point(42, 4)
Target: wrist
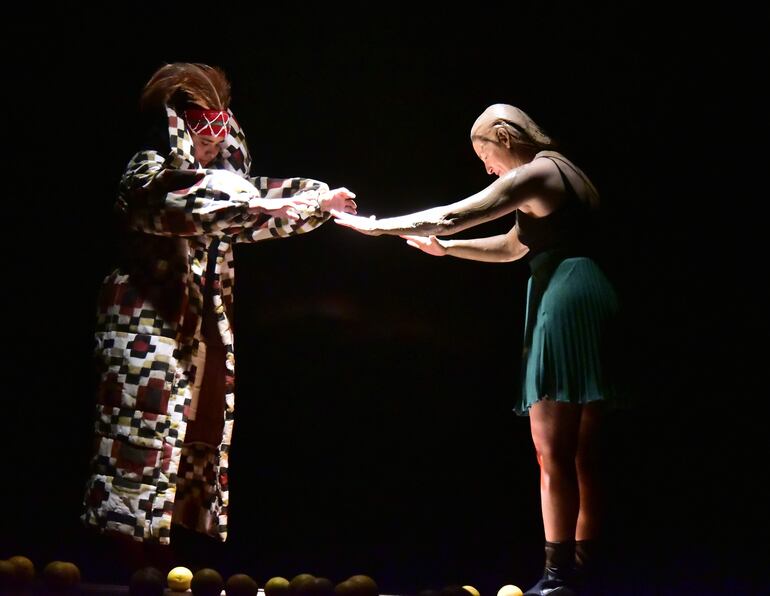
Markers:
point(312, 207)
point(324, 202)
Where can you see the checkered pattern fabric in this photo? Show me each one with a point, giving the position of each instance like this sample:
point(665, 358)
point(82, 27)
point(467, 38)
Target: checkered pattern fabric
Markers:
point(143, 473)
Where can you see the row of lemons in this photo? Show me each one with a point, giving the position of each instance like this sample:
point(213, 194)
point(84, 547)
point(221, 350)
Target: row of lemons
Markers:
point(18, 572)
point(208, 582)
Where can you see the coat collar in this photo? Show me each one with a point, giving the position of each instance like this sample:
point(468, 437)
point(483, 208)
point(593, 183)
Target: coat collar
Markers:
point(233, 155)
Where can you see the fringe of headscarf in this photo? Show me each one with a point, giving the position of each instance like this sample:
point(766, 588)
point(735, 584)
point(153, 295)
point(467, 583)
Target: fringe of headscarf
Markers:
point(183, 84)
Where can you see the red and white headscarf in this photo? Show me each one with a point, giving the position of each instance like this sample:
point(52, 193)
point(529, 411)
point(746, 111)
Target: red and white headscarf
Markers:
point(214, 123)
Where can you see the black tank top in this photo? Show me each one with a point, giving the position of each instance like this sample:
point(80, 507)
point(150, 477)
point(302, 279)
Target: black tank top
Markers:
point(568, 229)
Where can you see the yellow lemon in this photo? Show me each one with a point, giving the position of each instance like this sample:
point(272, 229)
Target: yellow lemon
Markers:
point(179, 578)
point(472, 590)
point(510, 590)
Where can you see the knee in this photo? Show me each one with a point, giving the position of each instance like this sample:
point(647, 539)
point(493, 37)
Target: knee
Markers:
point(555, 460)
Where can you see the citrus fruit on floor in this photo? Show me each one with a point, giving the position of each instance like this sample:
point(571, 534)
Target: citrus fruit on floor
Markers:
point(276, 586)
point(363, 585)
point(344, 588)
point(241, 584)
point(61, 575)
point(207, 582)
point(179, 578)
point(25, 569)
point(302, 584)
point(510, 590)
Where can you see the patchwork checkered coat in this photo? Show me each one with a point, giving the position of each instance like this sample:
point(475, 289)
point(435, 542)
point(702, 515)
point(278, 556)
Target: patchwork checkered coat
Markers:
point(149, 347)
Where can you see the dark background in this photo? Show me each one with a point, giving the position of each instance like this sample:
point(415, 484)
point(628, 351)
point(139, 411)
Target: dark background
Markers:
point(374, 431)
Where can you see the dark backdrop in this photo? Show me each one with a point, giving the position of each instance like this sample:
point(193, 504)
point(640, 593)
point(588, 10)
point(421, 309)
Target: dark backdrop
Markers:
point(374, 431)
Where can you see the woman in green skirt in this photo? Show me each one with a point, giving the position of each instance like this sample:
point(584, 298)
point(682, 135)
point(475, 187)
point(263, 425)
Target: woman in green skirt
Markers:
point(568, 379)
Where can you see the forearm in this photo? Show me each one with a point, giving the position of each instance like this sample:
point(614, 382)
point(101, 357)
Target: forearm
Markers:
point(494, 201)
point(494, 249)
point(271, 188)
point(276, 227)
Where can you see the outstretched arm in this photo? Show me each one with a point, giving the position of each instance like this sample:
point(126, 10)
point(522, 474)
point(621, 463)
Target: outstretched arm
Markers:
point(159, 199)
point(316, 202)
point(492, 249)
point(528, 183)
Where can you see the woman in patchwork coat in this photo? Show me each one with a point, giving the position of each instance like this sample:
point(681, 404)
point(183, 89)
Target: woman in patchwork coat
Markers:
point(164, 341)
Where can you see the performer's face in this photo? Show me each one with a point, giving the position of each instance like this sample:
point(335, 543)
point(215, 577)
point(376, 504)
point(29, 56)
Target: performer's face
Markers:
point(205, 148)
point(497, 158)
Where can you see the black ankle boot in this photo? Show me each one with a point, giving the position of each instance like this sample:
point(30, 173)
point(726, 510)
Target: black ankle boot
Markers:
point(587, 561)
point(558, 575)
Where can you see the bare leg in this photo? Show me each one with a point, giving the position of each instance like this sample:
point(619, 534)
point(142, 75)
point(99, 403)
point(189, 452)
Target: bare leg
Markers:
point(555, 431)
point(588, 462)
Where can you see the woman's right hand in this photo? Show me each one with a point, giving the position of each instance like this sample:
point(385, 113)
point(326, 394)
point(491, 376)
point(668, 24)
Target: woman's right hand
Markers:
point(427, 244)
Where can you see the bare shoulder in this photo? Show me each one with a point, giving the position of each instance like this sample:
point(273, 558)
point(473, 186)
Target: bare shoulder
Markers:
point(555, 167)
point(538, 187)
point(543, 168)
point(534, 176)
point(539, 184)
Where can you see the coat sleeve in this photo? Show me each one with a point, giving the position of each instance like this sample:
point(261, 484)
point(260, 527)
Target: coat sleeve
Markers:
point(168, 201)
point(311, 217)
point(157, 198)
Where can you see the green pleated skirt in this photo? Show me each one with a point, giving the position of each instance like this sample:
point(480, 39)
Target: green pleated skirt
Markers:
point(570, 337)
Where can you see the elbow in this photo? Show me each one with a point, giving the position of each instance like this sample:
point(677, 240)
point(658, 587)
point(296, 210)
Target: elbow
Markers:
point(513, 251)
point(457, 221)
point(518, 252)
point(446, 226)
